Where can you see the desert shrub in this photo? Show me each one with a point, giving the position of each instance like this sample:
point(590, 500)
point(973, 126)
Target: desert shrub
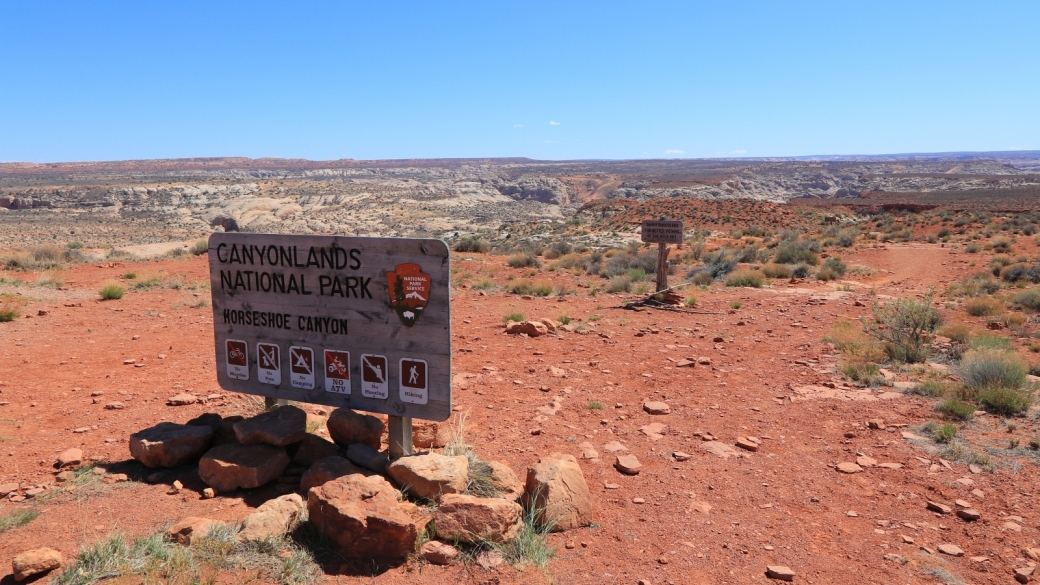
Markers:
point(861, 371)
point(943, 433)
point(700, 277)
point(472, 244)
point(944, 233)
point(1006, 401)
point(1021, 272)
point(846, 337)
point(930, 388)
point(690, 302)
point(523, 286)
point(956, 409)
point(998, 262)
point(801, 271)
point(523, 260)
point(514, 316)
point(1027, 300)
point(975, 285)
point(636, 275)
point(748, 278)
point(1001, 245)
point(972, 248)
point(988, 341)
point(796, 252)
point(832, 269)
point(958, 332)
point(111, 292)
point(987, 368)
point(983, 307)
point(36, 258)
point(901, 325)
point(720, 262)
point(773, 270)
point(1014, 320)
point(10, 307)
point(618, 284)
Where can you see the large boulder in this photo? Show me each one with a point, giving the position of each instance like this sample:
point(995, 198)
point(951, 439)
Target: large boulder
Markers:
point(311, 449)
point(169, 444)
point(35, 562)
point(273, 518)
point(226, 433)
point(326, 470)
point(430, 475)
point(190, 529)
point(530, 328)
point(505, 481)
point(209, 419)
point(282, 426)
point(472, 519)
point(367, 457)
point(347, 427)
point(557, 492)
point(234, 466)
point(361, 516)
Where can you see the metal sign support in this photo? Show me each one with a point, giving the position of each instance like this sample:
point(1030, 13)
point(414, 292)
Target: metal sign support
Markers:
point(400, 431)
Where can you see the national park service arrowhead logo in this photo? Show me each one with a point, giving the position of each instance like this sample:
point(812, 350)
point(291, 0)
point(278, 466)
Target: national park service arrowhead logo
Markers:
point(409, 291)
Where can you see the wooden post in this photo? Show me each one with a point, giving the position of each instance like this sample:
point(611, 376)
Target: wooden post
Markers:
point(662, 267)
point(400, 432)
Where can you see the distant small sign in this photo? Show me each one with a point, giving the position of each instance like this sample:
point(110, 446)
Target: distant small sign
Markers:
point(662, 231)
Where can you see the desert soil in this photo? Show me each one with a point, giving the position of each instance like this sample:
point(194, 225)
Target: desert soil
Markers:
point(706, 519)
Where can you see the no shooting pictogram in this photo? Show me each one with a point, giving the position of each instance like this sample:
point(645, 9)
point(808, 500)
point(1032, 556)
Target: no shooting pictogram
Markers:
point(414, 381)
point(268, 363)
point(337, 371)
point(301, 367)
point(236, 359)
point(374, 373)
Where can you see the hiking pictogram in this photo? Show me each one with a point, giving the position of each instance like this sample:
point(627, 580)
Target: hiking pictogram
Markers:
point(374, 369)
point(409, 290)
point(413, 381)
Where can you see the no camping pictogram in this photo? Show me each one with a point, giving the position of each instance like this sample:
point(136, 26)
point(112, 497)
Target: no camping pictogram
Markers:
point(337, 371)
point(268, 363)
point(374, 374)
point(413, 380)
point(301, 367)
point(236, 359)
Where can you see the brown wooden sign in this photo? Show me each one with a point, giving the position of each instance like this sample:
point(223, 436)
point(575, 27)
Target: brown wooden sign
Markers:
point(358, 322)
point(661, 231)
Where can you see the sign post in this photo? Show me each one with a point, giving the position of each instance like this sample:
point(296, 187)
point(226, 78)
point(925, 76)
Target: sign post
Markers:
point(362, 323)
point(662, 232)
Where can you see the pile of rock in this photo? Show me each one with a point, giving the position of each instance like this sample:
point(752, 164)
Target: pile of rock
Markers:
point(536, 327)
point(353, 491)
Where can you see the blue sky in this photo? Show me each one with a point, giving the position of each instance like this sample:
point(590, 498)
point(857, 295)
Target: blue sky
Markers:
point(554, 80)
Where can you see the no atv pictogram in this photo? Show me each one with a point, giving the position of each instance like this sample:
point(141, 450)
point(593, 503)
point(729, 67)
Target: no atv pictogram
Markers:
point(337, 371)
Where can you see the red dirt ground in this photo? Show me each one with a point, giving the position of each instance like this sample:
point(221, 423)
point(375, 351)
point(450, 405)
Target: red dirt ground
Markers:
point(704, 520)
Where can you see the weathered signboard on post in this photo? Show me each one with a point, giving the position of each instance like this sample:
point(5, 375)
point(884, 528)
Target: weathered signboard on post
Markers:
point(358, 322)
point(662, 231)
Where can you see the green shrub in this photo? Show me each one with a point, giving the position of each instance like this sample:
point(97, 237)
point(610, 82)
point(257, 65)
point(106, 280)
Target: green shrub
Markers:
point(483, 284)
point(518, 317)
point(901, 325)
point(956, 409)
point(801, 271)
point(473, 244)
point(944, 433)
point(690, 302)
point(1006, 401)
point(832, 269)
point(700, 277)
point(596, 405)
point(74, 245)
point(523, 286)
point(111, 292)
point(1028, 300)
point(199, 248)
point(930, 388)
point(796, 252)
point(985, 369)
point(972, 248)
point(748, 278)
point(987, 341)
point(983, 307)
point(10, 307)
point(564, 319)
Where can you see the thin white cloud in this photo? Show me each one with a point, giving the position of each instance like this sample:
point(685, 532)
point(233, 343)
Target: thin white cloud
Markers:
point(553, 123)
point(674, 151)
point(518, 125)
point(738, 151)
